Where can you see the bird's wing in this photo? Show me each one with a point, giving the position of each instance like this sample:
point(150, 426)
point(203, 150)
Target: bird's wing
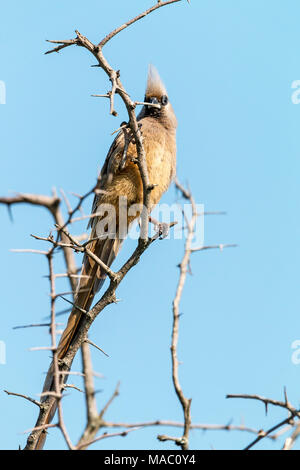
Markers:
point(106, 248)
point(109, 168)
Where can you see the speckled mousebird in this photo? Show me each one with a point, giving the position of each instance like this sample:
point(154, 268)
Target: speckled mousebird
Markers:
point(118, 178)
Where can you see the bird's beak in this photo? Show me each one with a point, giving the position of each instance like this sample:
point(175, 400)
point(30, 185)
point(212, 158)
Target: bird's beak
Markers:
point(153, 100)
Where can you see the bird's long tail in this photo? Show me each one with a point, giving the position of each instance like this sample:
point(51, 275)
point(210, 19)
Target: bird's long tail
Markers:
point(91, 281)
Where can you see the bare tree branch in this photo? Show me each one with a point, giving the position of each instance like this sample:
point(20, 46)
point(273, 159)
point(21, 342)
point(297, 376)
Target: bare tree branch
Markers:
point(137, 18)
point(293, 413)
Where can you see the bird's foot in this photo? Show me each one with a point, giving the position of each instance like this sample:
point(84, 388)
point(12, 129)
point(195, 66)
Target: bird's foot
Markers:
point(161, 228)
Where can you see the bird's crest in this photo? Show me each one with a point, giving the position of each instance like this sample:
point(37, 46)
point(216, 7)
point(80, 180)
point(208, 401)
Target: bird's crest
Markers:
point(155, 86)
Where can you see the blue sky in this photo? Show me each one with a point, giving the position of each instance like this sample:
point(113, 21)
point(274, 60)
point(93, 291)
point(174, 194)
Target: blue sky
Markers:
point(229, 68)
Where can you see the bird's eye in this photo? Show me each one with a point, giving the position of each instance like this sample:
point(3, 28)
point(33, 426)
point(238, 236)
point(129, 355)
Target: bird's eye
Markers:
point(164, 100)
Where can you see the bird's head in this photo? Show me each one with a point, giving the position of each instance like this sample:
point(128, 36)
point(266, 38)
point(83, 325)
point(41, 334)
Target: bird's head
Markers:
point(159, 105)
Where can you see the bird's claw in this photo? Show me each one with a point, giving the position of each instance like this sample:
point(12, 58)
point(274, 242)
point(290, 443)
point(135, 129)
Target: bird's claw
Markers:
point(161, 228)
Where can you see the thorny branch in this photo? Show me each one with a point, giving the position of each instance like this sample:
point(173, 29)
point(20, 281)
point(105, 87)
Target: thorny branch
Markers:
point(293, 415)
point(184, 266)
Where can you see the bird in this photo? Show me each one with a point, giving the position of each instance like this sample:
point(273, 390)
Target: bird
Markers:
point(120, 179)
